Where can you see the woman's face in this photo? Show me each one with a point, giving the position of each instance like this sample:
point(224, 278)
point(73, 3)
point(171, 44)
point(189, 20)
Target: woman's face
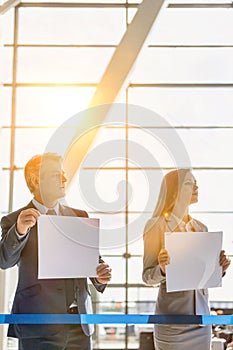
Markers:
point(189, 189)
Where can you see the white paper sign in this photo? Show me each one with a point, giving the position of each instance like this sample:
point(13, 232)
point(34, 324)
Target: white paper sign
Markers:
point(194, 260)
point(68, 246)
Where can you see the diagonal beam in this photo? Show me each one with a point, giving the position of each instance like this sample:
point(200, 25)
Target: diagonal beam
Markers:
point(8, 5)
point(111, 83)
point(126, 53)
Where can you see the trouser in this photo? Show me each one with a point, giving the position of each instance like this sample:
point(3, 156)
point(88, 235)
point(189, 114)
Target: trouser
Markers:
point(71, 337)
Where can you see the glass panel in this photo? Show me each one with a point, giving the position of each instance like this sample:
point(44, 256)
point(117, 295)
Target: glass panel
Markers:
point(208, 147)
point(183, 65)
point(145, 298)
point(142, 302)
point(145, 185)
point(25, 148)
point(108, 149)
point(59, 65)
point(108, 301)
point(186, 30)
point(135, 270)
point(135, 231)
point(184, 106)
point(118, 269)
point(109, 336)
point(5, 108)
point(6, 60)
point(214, 192)
point(7, 26)
point(158, 147)
point(71, 25)
point(5, 140)
point(22, 195)
point(50, 106)
point(161, 147)
point(136, 247)
point(4, 191)
point(112, 233)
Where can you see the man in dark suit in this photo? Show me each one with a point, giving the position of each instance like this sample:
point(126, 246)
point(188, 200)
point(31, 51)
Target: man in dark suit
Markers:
point(19, 245)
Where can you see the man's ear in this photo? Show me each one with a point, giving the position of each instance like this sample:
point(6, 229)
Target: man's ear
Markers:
point(35, 181)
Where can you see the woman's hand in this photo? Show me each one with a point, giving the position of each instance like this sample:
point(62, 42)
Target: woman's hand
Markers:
point(163, 260)
point(224, 261)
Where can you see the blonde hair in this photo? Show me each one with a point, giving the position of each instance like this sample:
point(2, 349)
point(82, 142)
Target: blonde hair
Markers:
point(33, 166)
point(169, 191)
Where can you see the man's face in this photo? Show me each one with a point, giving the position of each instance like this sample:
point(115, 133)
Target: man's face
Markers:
point(52, 180)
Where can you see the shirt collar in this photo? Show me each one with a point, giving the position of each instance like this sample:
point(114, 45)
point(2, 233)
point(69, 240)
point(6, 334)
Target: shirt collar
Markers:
point(178, 220)
point(43, 209)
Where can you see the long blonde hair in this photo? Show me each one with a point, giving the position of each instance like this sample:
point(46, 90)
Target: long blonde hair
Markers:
point(169, 191)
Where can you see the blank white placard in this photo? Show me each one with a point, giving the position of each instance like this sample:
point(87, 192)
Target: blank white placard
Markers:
point(68, 247)
point(194, 260)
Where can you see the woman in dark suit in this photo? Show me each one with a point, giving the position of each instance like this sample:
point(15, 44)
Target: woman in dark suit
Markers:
point(178, 190)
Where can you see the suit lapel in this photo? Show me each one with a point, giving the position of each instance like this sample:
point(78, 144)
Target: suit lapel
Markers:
point(30, 205)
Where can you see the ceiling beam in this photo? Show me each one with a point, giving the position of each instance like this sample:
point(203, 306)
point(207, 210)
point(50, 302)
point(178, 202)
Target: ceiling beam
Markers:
point(200, 6)
point(8, 5)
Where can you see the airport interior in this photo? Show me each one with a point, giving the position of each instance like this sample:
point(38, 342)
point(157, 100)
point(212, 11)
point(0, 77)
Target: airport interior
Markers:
point(124, 91)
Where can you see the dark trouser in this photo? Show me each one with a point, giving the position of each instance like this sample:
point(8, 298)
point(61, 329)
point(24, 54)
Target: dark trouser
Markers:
point(71, 338)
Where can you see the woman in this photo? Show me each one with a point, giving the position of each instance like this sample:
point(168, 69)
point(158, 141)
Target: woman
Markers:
point(178, 190)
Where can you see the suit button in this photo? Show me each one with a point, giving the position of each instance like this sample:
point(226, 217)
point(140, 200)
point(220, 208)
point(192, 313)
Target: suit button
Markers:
point(14, 246)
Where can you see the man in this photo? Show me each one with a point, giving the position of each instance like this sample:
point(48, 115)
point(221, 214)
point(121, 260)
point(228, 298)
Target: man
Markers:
point(46, 180)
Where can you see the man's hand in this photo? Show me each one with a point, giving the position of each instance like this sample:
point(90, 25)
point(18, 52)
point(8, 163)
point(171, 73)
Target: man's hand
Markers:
point(163, 259)
point(26, 219)
point(103, 272)
point(223, 261)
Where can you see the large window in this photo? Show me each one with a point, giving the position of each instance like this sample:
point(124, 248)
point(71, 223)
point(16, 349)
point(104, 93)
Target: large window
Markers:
point(52, 57)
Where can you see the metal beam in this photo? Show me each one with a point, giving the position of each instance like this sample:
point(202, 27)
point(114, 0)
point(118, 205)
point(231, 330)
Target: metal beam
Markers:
point(78, 5)
point(8, 5)
point(200, 6)
point(111, 83)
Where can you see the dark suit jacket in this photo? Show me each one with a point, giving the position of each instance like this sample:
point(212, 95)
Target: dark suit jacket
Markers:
point(35, 295)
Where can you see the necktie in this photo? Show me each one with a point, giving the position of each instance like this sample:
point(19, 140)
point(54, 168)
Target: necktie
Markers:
point(51, 212)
